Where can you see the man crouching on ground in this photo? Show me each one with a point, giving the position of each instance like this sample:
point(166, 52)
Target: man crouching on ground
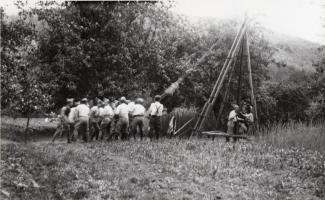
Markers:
point(232, 120)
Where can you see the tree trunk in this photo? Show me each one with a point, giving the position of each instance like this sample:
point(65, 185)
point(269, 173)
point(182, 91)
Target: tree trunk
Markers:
point(26, 129)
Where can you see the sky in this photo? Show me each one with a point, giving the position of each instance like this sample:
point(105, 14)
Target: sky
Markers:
point(299, 18)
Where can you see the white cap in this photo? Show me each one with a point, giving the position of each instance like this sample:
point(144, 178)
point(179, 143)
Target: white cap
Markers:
point(123, 99)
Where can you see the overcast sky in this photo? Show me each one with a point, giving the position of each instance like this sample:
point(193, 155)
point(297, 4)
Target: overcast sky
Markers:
point(300, 18)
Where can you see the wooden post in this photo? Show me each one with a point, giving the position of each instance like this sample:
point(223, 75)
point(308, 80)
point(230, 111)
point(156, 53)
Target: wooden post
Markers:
point(216, 89)
point(172, 88)
point(240, 72)
point(219, 83)
point(236, 128)
point(226, 94)
point(251, 82)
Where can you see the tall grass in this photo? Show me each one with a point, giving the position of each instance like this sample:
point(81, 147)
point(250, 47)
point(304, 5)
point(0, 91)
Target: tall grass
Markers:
point(280, 135)
point(295, 135)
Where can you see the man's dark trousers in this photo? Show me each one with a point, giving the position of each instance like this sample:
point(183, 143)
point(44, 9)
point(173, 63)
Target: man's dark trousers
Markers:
point(154, 125)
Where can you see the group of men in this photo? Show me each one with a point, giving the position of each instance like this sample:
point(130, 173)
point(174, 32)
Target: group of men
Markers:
point(239, 120)
point(107, 119)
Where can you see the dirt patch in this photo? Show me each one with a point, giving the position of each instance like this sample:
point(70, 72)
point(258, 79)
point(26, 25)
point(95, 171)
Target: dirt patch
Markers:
point(13, 129)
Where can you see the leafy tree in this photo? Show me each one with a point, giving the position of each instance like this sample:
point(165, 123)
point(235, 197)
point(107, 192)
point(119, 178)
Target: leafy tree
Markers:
point(23, 91)
point(107, 49)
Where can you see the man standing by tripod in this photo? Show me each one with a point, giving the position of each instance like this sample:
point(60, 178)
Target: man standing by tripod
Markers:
point(155, 113)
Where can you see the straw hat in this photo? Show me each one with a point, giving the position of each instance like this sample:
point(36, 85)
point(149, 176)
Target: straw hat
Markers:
point(84, 100)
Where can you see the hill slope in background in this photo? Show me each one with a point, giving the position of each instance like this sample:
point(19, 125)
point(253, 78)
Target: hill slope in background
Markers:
point(292, 54)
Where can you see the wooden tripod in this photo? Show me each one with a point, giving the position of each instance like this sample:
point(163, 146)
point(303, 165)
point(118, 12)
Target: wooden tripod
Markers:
point(240, 40)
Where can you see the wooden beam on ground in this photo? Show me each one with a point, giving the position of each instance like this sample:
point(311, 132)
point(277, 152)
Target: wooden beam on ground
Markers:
point(182, 128)
point(223, 134)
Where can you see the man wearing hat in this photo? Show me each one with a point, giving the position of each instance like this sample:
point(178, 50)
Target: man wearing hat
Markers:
point(64, 122)
point(232, 119)
point(155, 113)
point(247, 119)
point(114, 103)
point(73, 119)
point(131, 105)
point(122, 111)
point(137, 112)
point(82, 125)
point(107, 117)
point(94, 119)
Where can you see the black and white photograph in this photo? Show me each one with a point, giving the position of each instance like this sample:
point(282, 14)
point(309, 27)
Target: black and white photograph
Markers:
point(162, 100)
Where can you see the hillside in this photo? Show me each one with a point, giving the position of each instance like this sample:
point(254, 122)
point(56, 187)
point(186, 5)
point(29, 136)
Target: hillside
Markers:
point(292, 53)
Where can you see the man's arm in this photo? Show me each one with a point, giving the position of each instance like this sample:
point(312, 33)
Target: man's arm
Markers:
point(117, 110)
point(62, 111)
point(131, 109)
point(241, 116)
point(250, 118)
point(63, 114)
point(232, 116)
point(76, 113)
point(150, 109)
point(110, 111)
point(161, 109)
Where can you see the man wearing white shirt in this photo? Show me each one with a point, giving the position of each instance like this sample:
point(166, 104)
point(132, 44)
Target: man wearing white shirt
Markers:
point(73, 119)
point(82, 125)
point(107, 118)
point(155, 113)
point(64, 123)
point(138, 111)
point(101, 110)
point(247, 121)
point(94, 120)
point(122, 111)
point(131, 105)
point(72, 114)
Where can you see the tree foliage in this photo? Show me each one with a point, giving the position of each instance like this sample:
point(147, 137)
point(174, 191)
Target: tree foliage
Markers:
point(113, 49)
point(23, 91)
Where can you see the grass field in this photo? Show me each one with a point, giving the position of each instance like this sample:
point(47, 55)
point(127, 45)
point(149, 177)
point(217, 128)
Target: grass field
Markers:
point(296, 135)
point(264, 168)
